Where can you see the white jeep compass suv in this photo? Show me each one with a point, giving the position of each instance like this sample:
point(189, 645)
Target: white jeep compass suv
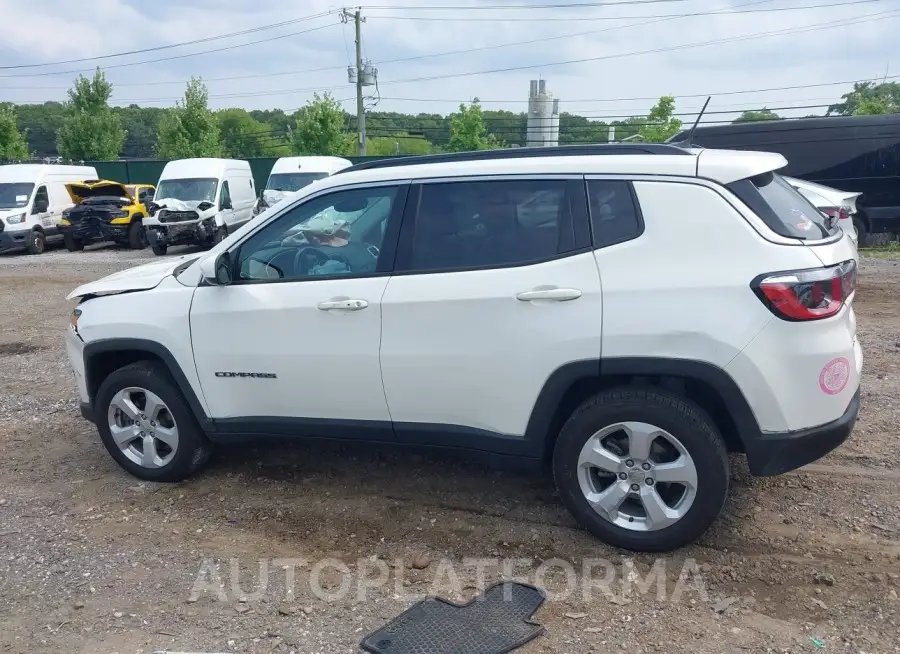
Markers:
point(625, 314)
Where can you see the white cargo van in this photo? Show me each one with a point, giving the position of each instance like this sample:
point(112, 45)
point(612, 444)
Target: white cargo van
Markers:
point(199, 202)
point(290, 174)
point(32, 200)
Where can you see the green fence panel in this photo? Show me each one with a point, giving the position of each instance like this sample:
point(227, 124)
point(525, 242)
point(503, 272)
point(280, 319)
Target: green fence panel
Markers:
point(111, 170)
point(147, 171)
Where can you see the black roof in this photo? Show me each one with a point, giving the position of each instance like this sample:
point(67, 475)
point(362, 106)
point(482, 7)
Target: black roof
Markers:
point(520, 153)
point(890, 122)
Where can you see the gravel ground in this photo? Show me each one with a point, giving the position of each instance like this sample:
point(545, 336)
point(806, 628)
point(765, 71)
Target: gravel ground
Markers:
point(307, 548)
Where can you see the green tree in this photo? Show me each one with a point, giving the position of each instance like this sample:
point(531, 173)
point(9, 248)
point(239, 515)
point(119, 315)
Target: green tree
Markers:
point(757, 116)
point(243, 136)
point(13, 146)
point(661, 123)
point(868, 98)
point(91, 130)
point(468, 131)
point(870, 108)
point(320, 128)
point(189, 129)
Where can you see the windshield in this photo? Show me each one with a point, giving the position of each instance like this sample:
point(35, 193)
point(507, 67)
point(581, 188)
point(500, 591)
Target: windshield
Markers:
point(292, 181)
point(188, 190)
point(15, 196)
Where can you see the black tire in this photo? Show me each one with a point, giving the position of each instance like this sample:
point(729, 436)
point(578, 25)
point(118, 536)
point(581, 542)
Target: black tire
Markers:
point(71, 244)
point(682, 419)
point(159, 250)
point(137, 235)
point(193, 450)
point(37, 242)
point(862, 233)
point(221, 234)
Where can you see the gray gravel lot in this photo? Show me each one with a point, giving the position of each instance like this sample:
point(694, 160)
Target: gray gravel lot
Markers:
point(92, 560)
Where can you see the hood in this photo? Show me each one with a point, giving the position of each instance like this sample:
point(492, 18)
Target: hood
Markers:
point(81, 191)
point(271, 196)
point(140, 278)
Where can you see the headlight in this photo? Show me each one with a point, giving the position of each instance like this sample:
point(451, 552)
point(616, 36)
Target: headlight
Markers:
point(120, 214)
point(16, 220)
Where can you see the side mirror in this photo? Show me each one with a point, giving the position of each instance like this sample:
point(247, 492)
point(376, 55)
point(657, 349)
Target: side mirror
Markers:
point(40, 206)
point(217, 270)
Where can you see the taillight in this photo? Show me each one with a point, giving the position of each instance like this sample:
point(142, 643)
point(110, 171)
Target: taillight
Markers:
point(807, 294)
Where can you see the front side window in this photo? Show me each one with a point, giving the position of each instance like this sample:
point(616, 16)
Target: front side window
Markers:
point(146, 195)
point(41, 200)
point(224, 195)
point(332, 235)
point(15, 195)
point(614, 214)
point(188, 190)
point(461, 225)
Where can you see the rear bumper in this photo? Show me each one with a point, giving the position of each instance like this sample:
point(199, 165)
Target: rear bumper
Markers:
point(777, 453)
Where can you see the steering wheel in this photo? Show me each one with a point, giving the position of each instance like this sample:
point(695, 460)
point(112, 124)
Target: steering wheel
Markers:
point(301, 259)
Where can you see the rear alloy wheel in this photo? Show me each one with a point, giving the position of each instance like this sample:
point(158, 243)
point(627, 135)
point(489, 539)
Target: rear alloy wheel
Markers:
point(71, 244)
point(642, 470)
point(147, 426)
point(37, 242)
point(137, 235)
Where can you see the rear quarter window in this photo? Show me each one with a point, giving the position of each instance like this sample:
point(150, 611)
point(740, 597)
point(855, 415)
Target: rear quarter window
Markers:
point(783, 208)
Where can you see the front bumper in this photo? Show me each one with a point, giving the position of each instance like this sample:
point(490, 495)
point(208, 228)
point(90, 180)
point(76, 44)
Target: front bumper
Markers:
point(776, 453)
point(199, 233)
point(14, 240)
point(91, 232)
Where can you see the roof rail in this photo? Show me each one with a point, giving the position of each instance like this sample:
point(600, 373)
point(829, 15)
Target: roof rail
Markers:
point(521, 153)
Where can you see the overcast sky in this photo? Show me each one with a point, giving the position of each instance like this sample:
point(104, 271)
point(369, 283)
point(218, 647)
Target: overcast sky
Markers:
point(283, 66)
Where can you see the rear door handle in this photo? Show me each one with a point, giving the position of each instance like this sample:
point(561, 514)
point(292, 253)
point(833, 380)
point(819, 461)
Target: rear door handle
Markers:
point(552, 294)
point(343, 305)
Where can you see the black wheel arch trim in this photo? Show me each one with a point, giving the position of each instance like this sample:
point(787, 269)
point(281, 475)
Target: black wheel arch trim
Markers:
point(105, 346)
point(538, 432)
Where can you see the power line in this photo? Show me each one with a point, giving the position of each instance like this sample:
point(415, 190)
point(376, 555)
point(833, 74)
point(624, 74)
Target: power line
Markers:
point(172, 58)
point(811, 28)
point(173, 45)
point(565, 5)
point(506, 19)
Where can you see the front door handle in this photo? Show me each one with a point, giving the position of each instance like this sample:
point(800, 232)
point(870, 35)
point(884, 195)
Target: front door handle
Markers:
point(343, 305)
point(552, 294)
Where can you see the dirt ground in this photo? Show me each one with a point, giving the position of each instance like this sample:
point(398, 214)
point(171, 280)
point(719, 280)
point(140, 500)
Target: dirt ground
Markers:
point(317, 545)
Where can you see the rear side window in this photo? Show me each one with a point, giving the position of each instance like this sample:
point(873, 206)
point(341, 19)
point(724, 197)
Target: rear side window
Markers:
point(615, 217)
point(783, 208)
point(465, 225)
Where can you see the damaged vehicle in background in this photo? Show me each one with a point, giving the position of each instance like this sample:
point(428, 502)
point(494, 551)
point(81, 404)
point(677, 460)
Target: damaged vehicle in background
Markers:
point(290, 174)
point(199, 202)
point(106, 211)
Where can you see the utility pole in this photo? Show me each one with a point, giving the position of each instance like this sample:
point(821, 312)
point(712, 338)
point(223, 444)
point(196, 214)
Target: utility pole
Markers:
point(358, 20)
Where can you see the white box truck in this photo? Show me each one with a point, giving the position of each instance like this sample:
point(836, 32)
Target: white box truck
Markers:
point(290, 174)
point(199, 202)
point(32, 200)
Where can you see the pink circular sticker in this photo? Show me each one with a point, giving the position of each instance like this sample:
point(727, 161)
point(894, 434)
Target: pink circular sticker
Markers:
point(834, 376)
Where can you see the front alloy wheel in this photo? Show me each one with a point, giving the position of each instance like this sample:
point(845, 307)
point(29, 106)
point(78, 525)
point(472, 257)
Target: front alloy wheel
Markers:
point(143, 427)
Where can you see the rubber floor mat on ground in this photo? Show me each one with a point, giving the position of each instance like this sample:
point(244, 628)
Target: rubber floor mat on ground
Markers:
point(495, 622)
